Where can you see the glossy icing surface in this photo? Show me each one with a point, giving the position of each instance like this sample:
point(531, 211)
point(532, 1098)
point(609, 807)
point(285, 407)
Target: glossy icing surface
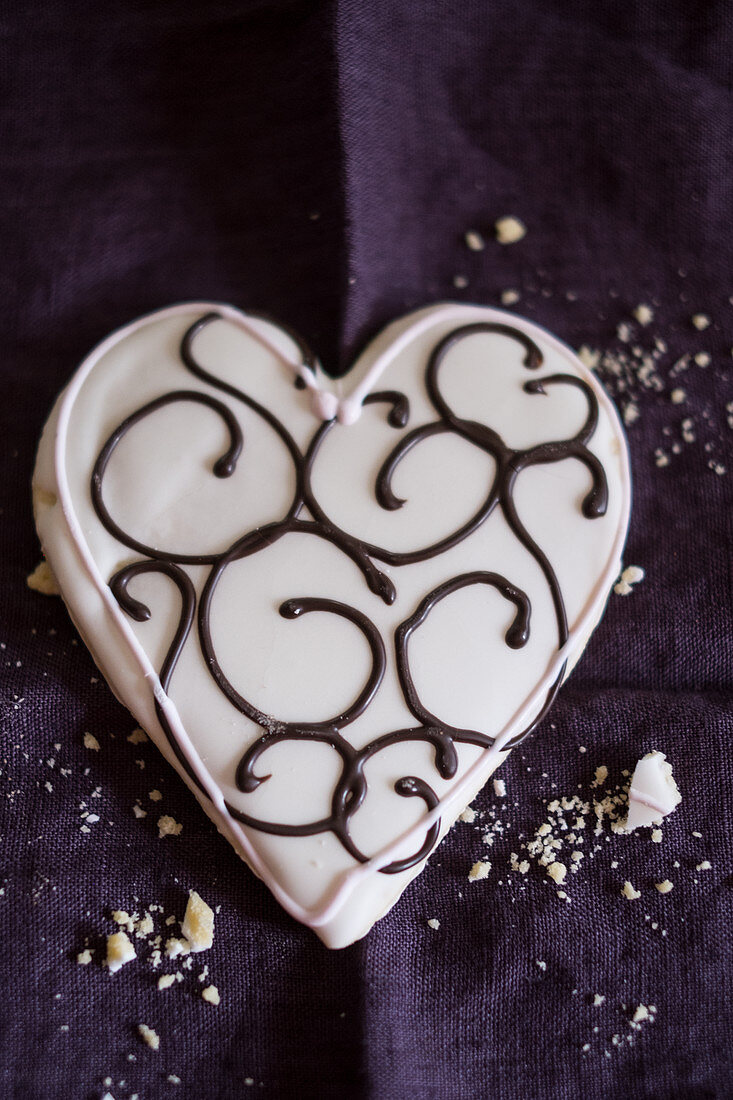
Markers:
point(335, 606)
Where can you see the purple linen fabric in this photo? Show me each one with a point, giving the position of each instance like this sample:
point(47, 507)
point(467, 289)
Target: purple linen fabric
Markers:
point(323, 162)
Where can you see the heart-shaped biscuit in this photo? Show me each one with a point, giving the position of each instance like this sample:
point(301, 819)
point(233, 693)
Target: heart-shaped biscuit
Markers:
point(335, 607)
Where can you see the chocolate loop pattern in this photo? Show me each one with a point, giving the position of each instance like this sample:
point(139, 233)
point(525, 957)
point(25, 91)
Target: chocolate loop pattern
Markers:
point(306, 516)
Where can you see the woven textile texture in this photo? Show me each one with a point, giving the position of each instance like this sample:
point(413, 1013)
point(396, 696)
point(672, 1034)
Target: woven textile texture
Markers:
point(323, 162)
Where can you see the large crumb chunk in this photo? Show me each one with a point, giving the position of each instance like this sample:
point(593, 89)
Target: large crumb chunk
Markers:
point(198, 923)
point(509, 230)
point(119, 951)
point(557, 872)
point(211, 994)
point(42, 580)
point(149, 1036)
point(479, 870)
point(653, 792)
point(167, 826)
point(629, 892)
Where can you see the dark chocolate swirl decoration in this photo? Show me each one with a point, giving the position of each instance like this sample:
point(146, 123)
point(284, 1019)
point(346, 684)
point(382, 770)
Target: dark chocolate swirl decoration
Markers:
point(306, 516)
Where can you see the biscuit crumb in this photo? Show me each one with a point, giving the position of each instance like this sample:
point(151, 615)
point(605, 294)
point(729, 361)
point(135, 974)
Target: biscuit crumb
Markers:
point(168, 827)
point(90, 742)
point(211, 994)
point(119, 951)
point(632, 575)
point(137, 737)
point(165, 981)
point(434, 924)
point(700, 321)
point(598, 1000)
point(175, 947)
point(149, 1036)
point(509, 229)
point(479, 871)
point(468, 815)
point(557, 872)
point(474, 241)
point(509, 297)
point(43, 580)
point(84, 957)
point(198, 923)
point(629, 892)
point(155, 796)
point(706, 865)
point(589, 357)
point(644, 314)
point(664, 887)
point(657, 836)
point(500, 788)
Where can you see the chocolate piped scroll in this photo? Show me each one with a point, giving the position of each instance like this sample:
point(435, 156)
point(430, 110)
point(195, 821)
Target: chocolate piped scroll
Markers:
point(167, 583)
point(351, 788)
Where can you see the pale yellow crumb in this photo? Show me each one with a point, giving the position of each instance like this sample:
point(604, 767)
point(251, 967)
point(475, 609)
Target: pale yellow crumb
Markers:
point(474, 241)
point(557, 872)
point(211, 994)
point(644, 314)
point(168, 827)
point(198, 923)
point(43, 580)
point(434, 924)
point(90, 742)
point(701, 321)
point(174, 947)
point(144, 926)
point(137, 737)
point(149, 1036)
point(119, 951)
point(479, 870)
point(589, 357)
point(664, 887)
point(84, 957)
point(155, 796)
point(629, 892)
point(468, 815)
point(509, 229)
point(165, 981)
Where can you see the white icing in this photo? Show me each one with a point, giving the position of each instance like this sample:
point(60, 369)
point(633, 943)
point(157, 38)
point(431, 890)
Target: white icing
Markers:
point(653, 792)
point(309, 669)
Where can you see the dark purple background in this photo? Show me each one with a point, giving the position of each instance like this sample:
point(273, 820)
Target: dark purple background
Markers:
point(153, 152)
